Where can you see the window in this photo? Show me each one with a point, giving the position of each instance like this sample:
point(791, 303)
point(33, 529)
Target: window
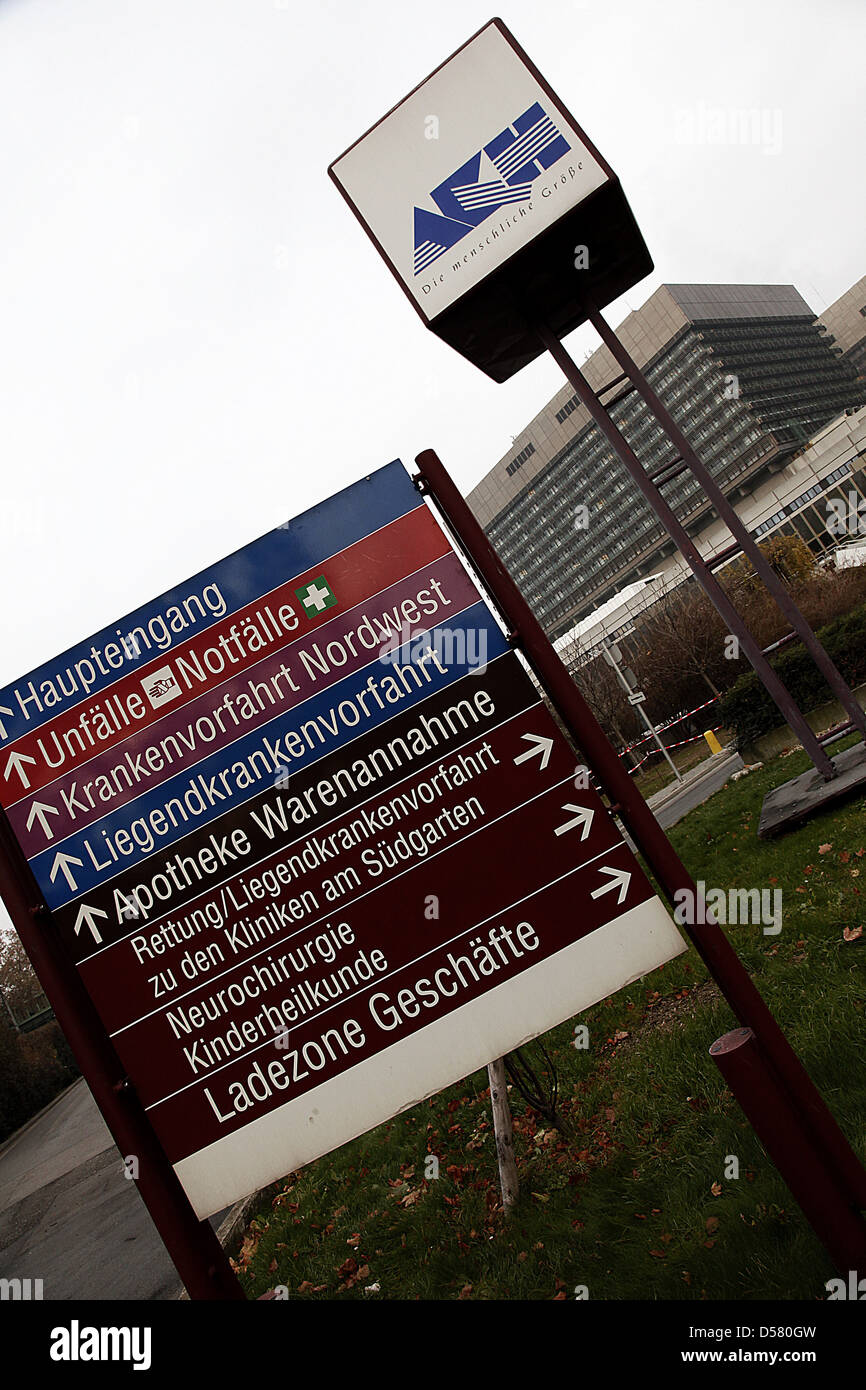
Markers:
point(519, 460)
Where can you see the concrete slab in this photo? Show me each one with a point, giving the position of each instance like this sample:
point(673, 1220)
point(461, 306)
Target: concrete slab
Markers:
point(789, 805)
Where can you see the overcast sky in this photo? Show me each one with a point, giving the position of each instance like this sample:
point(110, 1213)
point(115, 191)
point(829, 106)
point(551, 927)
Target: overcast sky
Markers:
point(198, 341)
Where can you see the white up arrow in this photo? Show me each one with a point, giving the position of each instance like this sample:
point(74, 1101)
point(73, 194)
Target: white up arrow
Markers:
point(85, 917)
point(583, 818)
point(41, 809)
point(62, 861)
point(618, 879)
point(4, 710)
point(16, 762)
point(543, 745)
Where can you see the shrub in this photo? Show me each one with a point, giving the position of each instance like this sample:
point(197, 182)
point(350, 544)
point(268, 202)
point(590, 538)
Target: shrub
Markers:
point(749, 711)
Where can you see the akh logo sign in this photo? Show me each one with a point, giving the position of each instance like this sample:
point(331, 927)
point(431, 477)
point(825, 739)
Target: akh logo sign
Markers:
point(502, 172)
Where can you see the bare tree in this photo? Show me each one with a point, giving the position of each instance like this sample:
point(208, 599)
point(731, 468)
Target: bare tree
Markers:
point(682, 635)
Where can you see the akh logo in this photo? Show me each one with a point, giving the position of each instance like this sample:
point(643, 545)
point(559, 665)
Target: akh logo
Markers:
point(502, 172)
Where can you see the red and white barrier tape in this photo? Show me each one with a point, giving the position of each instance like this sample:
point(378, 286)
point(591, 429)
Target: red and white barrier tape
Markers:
point(679, 719)
point(668, 747)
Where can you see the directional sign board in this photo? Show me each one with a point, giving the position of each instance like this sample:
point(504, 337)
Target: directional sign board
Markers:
point(480, 190)
point(313, 841)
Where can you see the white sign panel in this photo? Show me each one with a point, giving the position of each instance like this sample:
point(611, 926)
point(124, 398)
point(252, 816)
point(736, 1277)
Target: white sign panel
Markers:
point(467, 170)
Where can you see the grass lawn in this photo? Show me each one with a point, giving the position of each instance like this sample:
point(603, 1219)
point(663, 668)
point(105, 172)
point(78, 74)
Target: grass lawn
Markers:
point(631, 1197)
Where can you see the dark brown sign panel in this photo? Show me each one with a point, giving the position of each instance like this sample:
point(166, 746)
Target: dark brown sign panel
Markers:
point(339, 857)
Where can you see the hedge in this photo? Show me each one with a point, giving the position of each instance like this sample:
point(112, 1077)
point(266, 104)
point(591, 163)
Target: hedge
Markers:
point(749, 711)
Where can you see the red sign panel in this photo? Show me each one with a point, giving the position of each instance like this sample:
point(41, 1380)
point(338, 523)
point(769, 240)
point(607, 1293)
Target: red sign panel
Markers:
point(319, 876)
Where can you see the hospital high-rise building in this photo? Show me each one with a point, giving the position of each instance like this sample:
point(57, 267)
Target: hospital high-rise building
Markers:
point(749, 373)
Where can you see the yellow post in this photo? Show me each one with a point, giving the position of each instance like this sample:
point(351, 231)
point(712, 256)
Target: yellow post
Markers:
point(715, 746)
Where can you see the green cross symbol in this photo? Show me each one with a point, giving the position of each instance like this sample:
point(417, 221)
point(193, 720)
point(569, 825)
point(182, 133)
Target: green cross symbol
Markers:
point(316, 596)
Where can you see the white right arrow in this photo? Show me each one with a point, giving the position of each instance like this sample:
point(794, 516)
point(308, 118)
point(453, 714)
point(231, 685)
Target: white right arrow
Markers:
point(618, 879)
point(543, 745)
point(582, 818)
point(4, 710)
point(85, 917)
point(40, 809)
point(16, 763)
point(62, 861)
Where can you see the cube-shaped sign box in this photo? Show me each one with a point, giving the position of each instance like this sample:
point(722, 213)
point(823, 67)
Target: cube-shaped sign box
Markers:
point(491, 207)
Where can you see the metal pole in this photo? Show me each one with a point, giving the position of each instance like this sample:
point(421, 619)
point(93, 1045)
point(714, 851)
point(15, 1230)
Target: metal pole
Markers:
point(787, 706)
point(675, 770)
point(198, 1256)
point(789, 1147)
point(643, 714)
point(709, 940)
point(735, 525)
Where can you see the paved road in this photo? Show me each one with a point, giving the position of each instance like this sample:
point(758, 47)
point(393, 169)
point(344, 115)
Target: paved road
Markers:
point(668, 806)
point(69, 1217)
point(679, 804)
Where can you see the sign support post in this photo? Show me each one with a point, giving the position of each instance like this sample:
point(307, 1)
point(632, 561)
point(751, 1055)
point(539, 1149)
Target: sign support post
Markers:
point(196, 1252)
point(620, 675)
point(504, 1134)
point(503, 212)
point(780, 1129)
point(708, 939)
point(729, 516)
point(788, 707)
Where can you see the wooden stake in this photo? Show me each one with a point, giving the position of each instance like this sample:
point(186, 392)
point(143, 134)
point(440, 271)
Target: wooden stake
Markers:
point(502, 1129)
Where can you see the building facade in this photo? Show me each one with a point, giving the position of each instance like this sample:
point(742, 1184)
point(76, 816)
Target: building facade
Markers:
point(751, 379)
point(819, 495)
point(844, 324)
